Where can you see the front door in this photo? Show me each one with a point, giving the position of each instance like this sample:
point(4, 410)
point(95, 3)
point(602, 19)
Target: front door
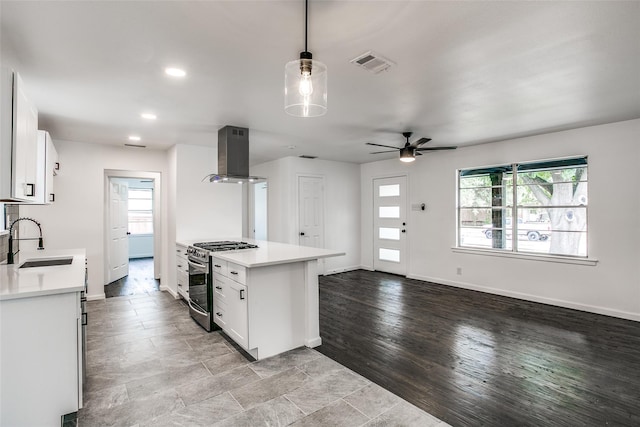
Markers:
point(390, 225)
point(118, 230)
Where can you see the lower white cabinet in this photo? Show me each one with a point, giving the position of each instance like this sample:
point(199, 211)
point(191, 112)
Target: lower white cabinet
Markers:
point(262, 308)
point(182, 271)
point(40, 359)
point(237, 325)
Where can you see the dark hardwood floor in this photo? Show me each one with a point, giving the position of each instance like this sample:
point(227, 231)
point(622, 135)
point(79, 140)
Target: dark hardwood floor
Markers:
point(139, 281)
point(471, 358)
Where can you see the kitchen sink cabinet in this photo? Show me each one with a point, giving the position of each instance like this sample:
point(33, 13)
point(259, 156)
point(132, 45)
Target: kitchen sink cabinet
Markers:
point(182, 271)
point(41, 359)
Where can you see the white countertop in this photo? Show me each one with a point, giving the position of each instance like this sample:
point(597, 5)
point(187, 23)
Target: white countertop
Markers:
point(267, 253)
point(16, 282)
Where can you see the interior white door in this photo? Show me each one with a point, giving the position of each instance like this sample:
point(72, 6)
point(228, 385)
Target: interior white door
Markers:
point(118, 227)
point(311, 205)
point(390, 225)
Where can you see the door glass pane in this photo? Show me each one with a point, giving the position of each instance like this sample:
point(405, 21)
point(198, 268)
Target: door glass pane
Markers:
point(392, 255)
point(389, 190)
point(389, 212)
point(389, 233)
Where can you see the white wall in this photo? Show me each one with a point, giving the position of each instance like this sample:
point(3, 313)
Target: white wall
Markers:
point(140, 246)
point(204, 210)
point(611, 287)
point(341, 205)
point(76, 219)
point(198, 210)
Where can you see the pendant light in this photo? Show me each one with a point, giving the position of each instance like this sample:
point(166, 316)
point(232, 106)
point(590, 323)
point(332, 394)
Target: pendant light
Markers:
point(305, 82)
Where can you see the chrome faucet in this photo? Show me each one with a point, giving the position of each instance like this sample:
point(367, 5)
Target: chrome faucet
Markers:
point(11, 239)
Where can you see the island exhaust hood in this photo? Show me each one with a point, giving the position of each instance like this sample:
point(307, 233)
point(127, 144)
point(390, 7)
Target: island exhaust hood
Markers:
point(233, 157)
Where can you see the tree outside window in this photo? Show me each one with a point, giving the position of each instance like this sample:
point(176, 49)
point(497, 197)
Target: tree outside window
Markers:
point(550, 208)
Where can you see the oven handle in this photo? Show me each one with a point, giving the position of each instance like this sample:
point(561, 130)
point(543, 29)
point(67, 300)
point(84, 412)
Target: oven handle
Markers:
point(196, 310)
point(196, 264)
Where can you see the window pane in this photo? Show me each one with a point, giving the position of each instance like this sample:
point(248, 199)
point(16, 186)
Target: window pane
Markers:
point(140, 193)
point(389, 212)
point(389, 233)
point(483, 238)
point(392, 255)
point(140, 222)
point(389, 190)
point(140, 205)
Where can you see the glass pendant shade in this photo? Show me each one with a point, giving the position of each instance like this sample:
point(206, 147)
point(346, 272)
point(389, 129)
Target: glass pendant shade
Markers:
point(305, 87)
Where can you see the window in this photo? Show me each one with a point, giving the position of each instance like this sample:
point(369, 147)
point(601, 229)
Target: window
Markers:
point(535, 207)
point(140, 211)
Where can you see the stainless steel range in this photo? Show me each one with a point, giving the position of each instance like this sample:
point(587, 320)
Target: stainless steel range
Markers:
point(201, 278)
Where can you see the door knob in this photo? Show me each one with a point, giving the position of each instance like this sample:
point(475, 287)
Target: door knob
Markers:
point(302, 233)
point(404, 231)
point(128, 232)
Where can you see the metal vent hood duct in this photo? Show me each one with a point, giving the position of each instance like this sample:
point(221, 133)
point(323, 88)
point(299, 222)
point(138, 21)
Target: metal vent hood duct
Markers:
point(233, 157)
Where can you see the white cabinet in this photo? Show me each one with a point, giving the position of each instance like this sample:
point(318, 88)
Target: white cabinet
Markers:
point(47, 168)
point(230, 308)
point(18, 141)
point(182, 271)
point(41, 359)
point(237, 326)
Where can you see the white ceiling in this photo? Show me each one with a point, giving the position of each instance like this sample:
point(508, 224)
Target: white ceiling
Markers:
point(467, 72)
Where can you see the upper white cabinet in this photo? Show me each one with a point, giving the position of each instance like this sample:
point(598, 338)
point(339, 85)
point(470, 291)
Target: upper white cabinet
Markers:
point(47, 168)
point(18, 141)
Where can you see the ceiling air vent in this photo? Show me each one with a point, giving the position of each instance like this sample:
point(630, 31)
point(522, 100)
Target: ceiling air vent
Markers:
point(304, 156)
point(372, 62)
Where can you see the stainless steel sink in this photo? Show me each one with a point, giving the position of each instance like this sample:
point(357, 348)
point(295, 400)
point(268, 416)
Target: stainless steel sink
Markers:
point(47, 262)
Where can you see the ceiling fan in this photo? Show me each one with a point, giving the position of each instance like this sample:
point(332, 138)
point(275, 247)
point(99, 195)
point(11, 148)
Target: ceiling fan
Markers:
point(409, 152)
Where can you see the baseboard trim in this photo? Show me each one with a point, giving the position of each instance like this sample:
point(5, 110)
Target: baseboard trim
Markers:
point(314, 342)
point(175, 295)
point(534, 298)
point(342, 270)
point(96, 297)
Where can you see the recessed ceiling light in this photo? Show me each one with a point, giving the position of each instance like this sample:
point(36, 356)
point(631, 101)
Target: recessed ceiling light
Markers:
point(175, 72)
point(134, 138)
point(148, 116)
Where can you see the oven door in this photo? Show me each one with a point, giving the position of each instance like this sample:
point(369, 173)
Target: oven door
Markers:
point(199, 285)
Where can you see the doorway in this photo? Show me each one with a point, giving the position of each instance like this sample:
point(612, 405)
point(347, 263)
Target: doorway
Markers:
point(390, 225)
point(311, 213)
point(132, 232)
point(258, 219)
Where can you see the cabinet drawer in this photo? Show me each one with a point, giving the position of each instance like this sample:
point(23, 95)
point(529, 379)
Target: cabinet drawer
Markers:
point(220, 314)
point(181, 251)
point(182, 265)
point(219, 266)
point(237, 273)
point(219, 287)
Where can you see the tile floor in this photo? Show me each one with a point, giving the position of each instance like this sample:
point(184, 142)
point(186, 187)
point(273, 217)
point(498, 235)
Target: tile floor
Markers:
point(149, 364)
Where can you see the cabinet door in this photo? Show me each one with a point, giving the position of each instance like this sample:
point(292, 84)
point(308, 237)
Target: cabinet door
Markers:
point(25, 144)
point(51, 169)
point(237, 326)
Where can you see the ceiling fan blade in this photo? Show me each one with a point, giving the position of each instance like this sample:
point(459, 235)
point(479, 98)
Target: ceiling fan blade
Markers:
point(420, 142)
point(436, 148)
point(380, 145)
point(417, 153)
point(389, 151)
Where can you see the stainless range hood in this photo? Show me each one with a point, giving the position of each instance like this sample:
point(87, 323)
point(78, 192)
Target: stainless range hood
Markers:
point(233, 157)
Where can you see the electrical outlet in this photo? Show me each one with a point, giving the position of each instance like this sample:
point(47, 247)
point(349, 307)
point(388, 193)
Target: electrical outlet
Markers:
point(459, 271)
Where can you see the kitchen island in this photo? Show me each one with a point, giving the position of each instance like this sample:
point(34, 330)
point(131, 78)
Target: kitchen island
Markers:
point(266, 299)
point(41, 344)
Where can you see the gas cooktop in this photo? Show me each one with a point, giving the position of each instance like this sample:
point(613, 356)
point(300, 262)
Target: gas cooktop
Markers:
point(225, 245)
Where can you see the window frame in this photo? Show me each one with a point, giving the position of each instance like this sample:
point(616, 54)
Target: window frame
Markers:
point(514, 210)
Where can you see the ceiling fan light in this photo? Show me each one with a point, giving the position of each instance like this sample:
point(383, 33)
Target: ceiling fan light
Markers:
point(407, 154)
